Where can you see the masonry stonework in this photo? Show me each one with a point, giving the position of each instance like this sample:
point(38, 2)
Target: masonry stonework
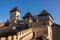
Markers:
point(41, 27)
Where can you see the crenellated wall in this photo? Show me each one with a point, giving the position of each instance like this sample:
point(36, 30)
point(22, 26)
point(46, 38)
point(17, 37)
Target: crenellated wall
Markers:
point(25, 34)
point(22, 35)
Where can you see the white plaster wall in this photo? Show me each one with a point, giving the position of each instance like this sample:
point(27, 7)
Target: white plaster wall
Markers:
point(3, 38)
point(9, 37)
point(49, 32)
point(13, 16)
point(27, 37)
point(14, 37)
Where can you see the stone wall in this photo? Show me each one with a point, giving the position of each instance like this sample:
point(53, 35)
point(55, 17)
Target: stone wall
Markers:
point(25, 34)
point(22, 35)
point(56, 32)
point(9, 38)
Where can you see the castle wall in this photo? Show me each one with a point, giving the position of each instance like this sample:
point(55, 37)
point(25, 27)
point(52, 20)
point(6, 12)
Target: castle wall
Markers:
point(22, 35)
point(9, 37)
point(56, 32)
point(27, 37)
point(25, 34)
point(3, 38)
point(49, 32)
point(14, 37)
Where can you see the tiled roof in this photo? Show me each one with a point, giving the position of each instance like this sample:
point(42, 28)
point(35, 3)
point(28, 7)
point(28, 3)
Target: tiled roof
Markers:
point(44, 13)
point(8, 30)
point(3, 28)
point(23, 27)
point(8, 33)
point(27, 15)
point(55, 24)
point(15, 9)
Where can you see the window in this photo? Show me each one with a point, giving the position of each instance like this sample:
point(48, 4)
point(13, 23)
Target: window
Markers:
point(43, 23)
point(33, 34)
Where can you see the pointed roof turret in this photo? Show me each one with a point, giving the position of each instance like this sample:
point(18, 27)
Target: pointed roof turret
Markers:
point(44, 13)
point(27, 15)
point(15, 9)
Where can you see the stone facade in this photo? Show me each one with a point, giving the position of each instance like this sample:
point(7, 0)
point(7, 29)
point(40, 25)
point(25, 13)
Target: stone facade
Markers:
point(56, 31)
point(41, 27)
point(14, 15)
point(22, 35)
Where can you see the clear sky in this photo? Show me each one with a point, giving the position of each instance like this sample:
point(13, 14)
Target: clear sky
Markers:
point(35, 7)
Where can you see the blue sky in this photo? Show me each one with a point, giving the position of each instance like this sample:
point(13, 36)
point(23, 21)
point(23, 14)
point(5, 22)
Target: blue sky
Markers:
point(35, 7)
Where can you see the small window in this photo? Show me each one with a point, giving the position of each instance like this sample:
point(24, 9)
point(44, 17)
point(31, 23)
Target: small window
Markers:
point(33, 34)
point(43, 23)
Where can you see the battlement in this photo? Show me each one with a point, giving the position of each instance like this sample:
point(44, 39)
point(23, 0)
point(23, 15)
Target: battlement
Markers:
point(23, 35)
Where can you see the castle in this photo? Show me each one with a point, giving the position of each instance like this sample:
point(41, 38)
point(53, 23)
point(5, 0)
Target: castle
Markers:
point(30, 28)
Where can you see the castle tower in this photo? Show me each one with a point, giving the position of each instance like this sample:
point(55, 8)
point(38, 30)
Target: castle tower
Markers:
point(28, 18)
point(46, 20)
point(14, 15)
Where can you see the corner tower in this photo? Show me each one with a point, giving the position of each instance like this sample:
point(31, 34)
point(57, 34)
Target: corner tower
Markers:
point(46, 20)
point(14, 15)
point(28, 19)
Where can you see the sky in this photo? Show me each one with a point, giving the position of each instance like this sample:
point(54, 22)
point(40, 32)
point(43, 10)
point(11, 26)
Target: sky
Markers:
point(34, 6)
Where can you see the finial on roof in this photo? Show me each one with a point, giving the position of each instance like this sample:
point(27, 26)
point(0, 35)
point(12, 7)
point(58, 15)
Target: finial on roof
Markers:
point(28, 11)
point(15, 8)
point(28, 14)
point(44, 10)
